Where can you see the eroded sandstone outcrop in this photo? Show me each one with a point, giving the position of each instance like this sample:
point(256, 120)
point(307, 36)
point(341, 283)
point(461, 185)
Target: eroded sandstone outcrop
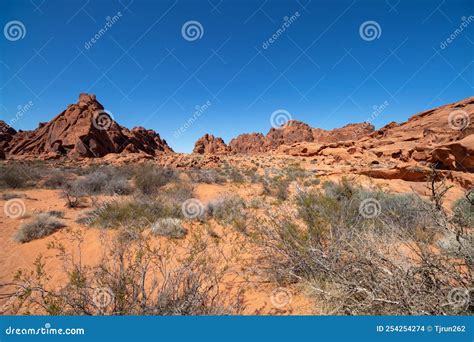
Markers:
point(208, 144)
point(85, 129)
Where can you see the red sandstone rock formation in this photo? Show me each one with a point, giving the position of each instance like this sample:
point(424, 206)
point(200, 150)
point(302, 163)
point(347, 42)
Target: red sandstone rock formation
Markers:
point(208, 144)
point(85, 129)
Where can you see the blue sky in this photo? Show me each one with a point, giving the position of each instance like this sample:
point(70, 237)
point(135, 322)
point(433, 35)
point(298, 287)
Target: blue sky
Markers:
point(319, 69)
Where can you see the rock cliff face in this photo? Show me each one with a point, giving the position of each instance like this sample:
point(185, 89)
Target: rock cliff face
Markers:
point(248, 143)
point(442, 136)
point(294, 132)
point(85, 129)
point(208, 144)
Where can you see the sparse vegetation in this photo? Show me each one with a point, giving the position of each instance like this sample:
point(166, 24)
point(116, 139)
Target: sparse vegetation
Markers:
point(169, 227)
point(355, 250)
point(380, 263)
point(116, 286)
point(229, 210)
point(149, 179)
point(463, 210)
point(42, 225)
point(137, 213)
point(16, 176)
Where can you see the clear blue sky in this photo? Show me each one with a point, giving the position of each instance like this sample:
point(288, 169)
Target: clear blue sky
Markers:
point(319, 69)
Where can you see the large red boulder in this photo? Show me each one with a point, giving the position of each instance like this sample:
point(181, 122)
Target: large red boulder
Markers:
point(208, 144)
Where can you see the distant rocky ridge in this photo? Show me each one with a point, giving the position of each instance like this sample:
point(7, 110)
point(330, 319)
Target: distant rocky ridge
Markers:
point(83, 130)
point(292, 132)
point(443, 136)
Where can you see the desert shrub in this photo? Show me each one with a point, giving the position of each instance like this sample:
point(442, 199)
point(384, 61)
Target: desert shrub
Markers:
point(72, 194)
point(210, 176)
point(169, 227)
point(229, 210)
point(232, 174)
point(281, 186)
point(104, 181)
point(136, 213)
point(341, 204)
point(294, 172)
point(10, 195)
point(463, 210)
point(176, 193)
point(56, 213)
point(312, 181)
point(459, 246)
point(149, 179)
point(132, 278)
point(107, 180)
point(55, 180)
point(256, 203)
point(373, 260)
point(276, 183)
point(42, 225)
point(16, 176)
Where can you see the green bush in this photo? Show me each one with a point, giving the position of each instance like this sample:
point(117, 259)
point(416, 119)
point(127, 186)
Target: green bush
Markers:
point(149, 179)
point(463, 210)
point(137, 213)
